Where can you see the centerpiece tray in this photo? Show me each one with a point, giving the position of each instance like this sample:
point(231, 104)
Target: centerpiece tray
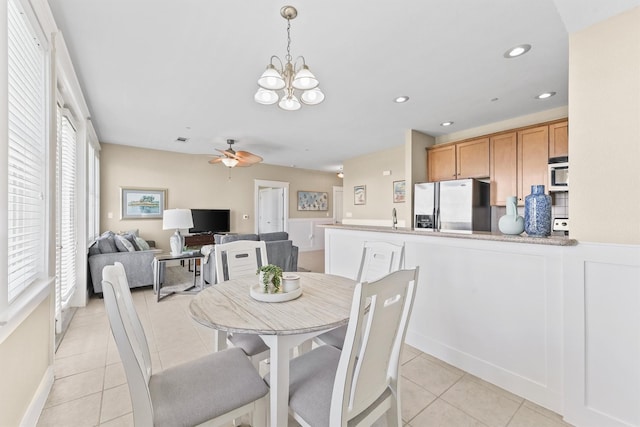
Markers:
point(256, 293)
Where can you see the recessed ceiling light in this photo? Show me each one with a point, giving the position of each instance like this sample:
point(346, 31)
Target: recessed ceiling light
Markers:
point(494, 99)
point(545, 95)
point(401, 99)
point(517, 51)
point(182, 139)
point(446, 123)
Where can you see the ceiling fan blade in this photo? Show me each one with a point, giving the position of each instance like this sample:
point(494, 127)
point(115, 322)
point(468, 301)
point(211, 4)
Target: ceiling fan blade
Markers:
point(248, 157)
point(215, 160)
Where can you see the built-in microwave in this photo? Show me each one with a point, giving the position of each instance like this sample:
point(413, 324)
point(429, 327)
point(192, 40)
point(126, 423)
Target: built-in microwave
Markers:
point(559, 174)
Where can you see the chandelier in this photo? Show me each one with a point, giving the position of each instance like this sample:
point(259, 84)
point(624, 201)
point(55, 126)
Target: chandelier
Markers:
point(289, 77)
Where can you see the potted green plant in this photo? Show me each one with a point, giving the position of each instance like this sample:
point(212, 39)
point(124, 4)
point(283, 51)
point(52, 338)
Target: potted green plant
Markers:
point(270, 278)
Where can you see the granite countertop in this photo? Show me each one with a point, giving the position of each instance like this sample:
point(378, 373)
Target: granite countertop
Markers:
point(475, 235)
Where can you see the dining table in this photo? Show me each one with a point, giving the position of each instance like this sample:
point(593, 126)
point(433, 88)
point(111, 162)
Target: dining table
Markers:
point(228, 307)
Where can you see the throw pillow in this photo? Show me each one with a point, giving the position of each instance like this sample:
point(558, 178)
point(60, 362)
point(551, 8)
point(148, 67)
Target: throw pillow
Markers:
point(142, 244)
point(124, 245)
point(107, 244)
point(132, 239)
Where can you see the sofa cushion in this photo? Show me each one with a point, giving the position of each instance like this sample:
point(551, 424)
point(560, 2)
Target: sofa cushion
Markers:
point(277, 235)
point(107, 244)
point(226, 238)
point(132, 239)
point(123, 244)
point(142, 244)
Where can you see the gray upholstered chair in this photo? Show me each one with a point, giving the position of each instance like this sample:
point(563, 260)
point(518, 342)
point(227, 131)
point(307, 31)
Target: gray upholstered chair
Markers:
point(238, 259)
point(356, 386)
point(216, 388)
point(378, 259)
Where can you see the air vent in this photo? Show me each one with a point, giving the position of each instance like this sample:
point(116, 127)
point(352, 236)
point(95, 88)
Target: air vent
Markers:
point(181, 139)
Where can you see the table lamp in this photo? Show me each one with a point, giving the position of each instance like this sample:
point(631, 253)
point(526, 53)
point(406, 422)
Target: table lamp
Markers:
point(177, 218)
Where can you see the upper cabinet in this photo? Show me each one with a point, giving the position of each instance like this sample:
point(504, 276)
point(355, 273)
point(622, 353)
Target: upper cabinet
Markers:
point(469, 159)
point(559, 140)
point(533, 158)
point(504, 167)
point(441, 163)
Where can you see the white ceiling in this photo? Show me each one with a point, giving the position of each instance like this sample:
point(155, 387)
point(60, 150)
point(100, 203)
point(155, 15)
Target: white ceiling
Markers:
point(156, 70)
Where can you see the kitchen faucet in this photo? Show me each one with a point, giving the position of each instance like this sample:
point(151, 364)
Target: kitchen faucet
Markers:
point(394, 219)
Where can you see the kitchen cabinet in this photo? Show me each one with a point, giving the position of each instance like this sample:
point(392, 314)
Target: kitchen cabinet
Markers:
point(469, 159)
point(503, 172)
point(533, 158)
point(441, 163)
point(518, 161)
point(559, 140)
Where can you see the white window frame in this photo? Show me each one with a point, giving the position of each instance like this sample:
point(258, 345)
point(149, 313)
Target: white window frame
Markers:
point(13, 312)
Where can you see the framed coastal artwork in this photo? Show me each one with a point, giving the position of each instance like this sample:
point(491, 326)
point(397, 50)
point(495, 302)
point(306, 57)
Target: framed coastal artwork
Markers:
point(399, 191)
point(142, 203)
point(313, 201)
point(360, 195)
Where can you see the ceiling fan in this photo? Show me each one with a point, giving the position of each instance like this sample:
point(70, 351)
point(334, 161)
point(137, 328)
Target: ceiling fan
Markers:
point(231, 158)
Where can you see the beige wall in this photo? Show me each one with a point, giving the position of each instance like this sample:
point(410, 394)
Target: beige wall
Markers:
point(192, 182)
point(368, 170)
point(604, 130)
point(24, 360)
point(416, 144)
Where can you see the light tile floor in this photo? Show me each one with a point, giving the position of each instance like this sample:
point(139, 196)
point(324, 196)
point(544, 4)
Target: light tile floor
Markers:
point(90, 387)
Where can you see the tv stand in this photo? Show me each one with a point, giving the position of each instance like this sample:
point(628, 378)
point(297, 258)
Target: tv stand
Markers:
point(199, 240)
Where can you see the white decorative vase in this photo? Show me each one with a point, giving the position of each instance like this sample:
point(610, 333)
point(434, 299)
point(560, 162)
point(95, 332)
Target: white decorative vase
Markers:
point(511, 223)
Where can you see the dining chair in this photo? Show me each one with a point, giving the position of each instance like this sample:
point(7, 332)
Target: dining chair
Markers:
point(216, 388)
point(358, 384)
point(378, 259)
point(239, 259)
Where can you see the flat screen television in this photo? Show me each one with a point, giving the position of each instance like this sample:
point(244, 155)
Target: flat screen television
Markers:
point(211, 221)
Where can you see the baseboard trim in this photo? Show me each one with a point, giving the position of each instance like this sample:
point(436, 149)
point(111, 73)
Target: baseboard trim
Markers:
point(36, 406)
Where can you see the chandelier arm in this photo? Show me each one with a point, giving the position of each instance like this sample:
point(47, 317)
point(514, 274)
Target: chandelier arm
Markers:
point(297, 68)
point(279, 60)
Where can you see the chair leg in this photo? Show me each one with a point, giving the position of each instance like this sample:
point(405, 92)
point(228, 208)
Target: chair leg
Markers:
point(259, 414)
point(394, 414)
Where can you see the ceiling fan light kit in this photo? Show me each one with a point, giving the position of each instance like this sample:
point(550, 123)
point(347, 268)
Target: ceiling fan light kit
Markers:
point(288, 77)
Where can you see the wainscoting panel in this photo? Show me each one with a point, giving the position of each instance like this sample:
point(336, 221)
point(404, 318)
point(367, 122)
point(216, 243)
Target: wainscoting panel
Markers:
point(602, 336)
point(305, 233)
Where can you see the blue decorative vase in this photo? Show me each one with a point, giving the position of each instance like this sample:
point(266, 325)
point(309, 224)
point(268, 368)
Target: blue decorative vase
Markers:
point(537, 212)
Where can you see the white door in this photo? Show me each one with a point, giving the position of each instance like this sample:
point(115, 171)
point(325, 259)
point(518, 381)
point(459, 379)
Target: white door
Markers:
point(337, 205)
point(271, 211)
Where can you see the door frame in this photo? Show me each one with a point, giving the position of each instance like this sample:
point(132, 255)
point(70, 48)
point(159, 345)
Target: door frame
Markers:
point(260, 183)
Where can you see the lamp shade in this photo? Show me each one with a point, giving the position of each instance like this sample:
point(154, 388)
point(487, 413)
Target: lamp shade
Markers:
point(265, 97)
point(289, 103)
point(271, 79)
point(304, 79)
point(312, 97)
point(176, 219)
point(229, 162)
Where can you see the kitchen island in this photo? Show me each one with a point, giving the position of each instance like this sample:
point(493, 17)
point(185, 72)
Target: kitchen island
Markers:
point(487, 303)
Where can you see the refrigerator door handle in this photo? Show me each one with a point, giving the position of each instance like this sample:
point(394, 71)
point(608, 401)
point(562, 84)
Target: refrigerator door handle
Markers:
point(436, 221)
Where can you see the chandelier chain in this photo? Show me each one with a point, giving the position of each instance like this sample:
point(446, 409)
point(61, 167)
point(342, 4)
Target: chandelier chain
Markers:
point(288, 57)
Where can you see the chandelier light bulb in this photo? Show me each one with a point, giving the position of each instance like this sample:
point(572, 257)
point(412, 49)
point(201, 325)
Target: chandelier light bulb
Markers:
point(304, 79)
point(289, 103)
point(265, 97)
point(312, 97)
point(271, 79)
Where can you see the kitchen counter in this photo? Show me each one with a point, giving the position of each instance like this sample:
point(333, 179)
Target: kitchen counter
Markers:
point(474, 235)
point(485, 302)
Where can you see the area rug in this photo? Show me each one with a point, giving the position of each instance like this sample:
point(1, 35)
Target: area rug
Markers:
point(177, 279)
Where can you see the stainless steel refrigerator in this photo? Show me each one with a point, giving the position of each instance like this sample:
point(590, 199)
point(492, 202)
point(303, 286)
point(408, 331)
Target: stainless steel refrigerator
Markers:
point(459, 205)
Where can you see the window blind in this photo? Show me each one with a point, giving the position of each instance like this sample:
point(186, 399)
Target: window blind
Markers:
point(26, 153)
point(66, 229)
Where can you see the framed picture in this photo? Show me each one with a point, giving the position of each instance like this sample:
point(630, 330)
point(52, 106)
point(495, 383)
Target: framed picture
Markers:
point(360, 195)
point(142, 203)
point(313, 201)
point(398, 191)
